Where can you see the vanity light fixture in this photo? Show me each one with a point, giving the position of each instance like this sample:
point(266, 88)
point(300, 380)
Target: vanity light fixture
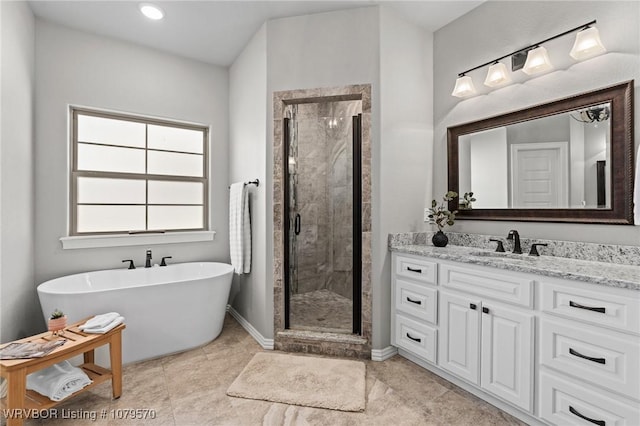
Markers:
point(151, 11)
point(464, 87)
point(586, 46)
point(497, 75)
point(537, 61)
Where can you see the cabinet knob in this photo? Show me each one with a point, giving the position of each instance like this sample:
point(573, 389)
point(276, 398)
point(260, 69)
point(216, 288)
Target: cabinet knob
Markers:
point(472, 306)
point(485, 310)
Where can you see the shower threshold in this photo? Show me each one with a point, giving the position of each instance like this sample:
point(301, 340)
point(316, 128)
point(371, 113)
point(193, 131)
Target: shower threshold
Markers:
point(305, 335)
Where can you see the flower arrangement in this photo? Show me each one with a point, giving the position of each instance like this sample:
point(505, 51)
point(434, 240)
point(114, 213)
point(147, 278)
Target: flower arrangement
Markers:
point(466, 200)
point(439, 214)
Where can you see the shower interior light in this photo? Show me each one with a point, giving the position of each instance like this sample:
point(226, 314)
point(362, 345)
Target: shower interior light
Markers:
point(537, 61)
point(587, 44)
point(464, 87)
point(151, 11)
point(497, 75)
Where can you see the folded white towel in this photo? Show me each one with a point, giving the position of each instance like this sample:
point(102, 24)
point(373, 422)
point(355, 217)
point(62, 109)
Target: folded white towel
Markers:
point(100, 321)
point(106, 328)
point(58, 381)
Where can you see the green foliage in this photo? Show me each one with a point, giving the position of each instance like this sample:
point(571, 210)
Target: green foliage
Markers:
point(466, 200)
point(439, 214)
point(57, 313)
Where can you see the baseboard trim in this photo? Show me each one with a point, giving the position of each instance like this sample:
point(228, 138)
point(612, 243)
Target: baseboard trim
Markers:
point(262, 341)
point(383, 354)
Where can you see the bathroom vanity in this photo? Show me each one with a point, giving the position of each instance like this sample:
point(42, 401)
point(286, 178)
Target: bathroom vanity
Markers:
point(550, 340)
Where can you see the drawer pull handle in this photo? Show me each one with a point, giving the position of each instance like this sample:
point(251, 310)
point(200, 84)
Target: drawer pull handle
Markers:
point(414, 270)
point(472, 306)
point(413, 338)
point(578, 354)
point(417, 302)
point(576, 413)
point(588, 308)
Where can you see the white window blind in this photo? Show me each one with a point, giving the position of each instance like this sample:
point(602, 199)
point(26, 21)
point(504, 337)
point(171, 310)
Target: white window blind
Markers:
point(133, 174)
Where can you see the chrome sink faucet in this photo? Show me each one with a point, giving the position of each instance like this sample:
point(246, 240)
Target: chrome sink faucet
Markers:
point(147, 263)
point(513, 235)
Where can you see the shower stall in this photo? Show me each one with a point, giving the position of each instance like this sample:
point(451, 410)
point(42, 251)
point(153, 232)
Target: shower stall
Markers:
point(322, 201)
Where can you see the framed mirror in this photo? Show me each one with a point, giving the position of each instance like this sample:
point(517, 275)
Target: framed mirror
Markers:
point(569, 160)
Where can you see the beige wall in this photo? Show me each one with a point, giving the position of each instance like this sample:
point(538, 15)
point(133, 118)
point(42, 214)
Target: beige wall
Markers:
point(19, 308)
point(252, 294)
point(78, 68)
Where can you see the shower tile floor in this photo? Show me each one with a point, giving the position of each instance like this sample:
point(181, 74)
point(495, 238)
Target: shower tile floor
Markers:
point(190, 389)
point(320, 310)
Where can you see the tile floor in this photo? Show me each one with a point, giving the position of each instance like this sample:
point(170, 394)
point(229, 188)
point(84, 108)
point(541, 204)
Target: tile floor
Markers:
point(189, 389)
point(321, 310)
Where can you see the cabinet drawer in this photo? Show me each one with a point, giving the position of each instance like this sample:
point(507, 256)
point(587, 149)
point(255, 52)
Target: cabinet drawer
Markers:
point(416, 268)
point(497, 285)
point(597, 307)
point(564, 401)
point(604, 358)
point(415, 337)
point(417, 300)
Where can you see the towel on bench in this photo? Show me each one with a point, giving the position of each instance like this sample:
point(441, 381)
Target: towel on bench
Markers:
point(58, 381)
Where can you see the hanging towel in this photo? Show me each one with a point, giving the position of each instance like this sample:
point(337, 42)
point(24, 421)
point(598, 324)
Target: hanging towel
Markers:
point(103, 329)
point(239, 228)
point(636, 192)
point(58, 381)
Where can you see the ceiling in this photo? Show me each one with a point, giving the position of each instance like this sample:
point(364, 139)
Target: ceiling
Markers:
point(215, 31)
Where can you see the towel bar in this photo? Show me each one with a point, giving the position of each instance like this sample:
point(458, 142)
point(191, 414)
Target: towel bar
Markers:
point(252, 182)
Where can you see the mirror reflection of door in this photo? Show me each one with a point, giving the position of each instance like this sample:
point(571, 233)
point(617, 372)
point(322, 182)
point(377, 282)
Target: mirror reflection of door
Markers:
point(539, 175)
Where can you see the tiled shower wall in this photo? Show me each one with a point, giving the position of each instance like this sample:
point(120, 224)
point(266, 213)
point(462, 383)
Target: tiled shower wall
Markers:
point(324, 196)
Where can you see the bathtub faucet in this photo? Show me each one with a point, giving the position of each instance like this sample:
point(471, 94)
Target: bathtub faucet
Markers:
point(147, 264)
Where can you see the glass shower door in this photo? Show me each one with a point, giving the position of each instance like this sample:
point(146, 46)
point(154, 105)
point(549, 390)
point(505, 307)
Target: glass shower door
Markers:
point(320, 198)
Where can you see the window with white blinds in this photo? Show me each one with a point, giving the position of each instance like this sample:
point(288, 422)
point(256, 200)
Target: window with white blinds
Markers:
point(131, 174)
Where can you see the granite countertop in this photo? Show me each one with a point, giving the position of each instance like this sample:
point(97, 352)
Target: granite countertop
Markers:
point(607, 274)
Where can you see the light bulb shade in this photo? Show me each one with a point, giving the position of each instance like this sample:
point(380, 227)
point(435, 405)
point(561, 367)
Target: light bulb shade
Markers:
point(537, 61)
point(464, 87)
point(497, 75)
point(587, 44)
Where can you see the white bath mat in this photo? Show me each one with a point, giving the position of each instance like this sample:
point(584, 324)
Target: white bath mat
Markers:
point(308, 381)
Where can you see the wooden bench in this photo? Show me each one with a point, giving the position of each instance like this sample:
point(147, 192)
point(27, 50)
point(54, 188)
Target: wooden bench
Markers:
point(19, 401)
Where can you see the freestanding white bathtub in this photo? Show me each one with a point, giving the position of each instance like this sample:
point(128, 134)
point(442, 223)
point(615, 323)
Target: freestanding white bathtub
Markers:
point(167, 309)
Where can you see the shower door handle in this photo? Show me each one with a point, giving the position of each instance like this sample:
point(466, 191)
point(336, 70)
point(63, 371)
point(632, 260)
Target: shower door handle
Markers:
point(296, 224)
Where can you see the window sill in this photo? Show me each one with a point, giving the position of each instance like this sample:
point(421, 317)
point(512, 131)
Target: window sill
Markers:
point(96, 241)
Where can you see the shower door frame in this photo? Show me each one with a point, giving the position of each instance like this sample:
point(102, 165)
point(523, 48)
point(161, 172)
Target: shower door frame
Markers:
point(356, 209)
point(288, 339)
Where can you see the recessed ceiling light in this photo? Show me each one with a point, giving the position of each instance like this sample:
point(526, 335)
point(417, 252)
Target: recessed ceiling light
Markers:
point(151, 11)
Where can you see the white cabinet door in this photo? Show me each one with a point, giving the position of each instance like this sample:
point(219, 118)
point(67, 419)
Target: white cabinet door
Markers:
point(507, 353)
point(459, 350)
